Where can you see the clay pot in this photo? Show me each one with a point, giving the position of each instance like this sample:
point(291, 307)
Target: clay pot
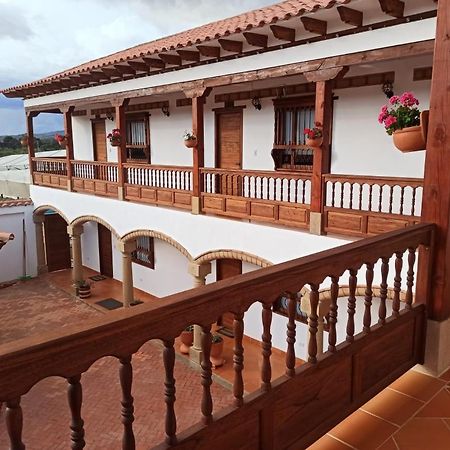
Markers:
point(24, 141)
point(186, 338)
point(317, 142)
point(84, 291)
point(115, 142)
point(413, 139)
point(216, 354)
point(63, 143)
point(190, 143)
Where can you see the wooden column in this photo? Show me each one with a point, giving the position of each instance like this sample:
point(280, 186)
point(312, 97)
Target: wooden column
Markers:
point(40, 244)
point(436, 193)
point(322, 155)
point(75, 233)
point(120, 105)
point(199, 273)
point(126, 248)
point(30, 137)
point(67, 113)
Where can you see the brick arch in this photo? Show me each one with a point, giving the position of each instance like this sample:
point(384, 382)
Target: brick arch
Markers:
point(83, 219)
point(40, 211)
point(157, 235)
point(232, 254)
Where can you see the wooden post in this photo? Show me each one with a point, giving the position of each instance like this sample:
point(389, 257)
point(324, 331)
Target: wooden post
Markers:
point(120, 105)
point(322, 155)
point(75, 233)
point(30, 138)
point(436, 193)
point(127, 248)
point(67, 112)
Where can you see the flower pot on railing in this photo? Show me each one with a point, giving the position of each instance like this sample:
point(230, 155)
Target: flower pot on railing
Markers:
point(215, 355)
point(186, 339)
point(314, 142)
point(412, 139)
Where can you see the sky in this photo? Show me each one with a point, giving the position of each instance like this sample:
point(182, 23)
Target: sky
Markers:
point(42, 37)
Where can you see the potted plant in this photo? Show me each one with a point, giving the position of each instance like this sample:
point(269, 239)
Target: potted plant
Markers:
point(403, 120)
point(83, 289)
point(216, 351)
point(61, 139)
point(186, 338)
point(24, 140)
point(314, 136)
point(114, 137)
point(190, 140)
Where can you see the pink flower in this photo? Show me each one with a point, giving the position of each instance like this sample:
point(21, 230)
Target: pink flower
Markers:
point(408, 99)
point(389, 121)
point(394, 99)
point(383, 114)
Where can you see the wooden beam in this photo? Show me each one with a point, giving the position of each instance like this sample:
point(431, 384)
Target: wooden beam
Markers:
point(154, 63)
point(283, 33)
point(394, 8)
point(231, 46)
point(174, 60)
point(315, 26)
point(111, 73)
point(350, 16)
point(209, 51)
point(436, 192)
point(125, 69)
point(139, 66)
point(256, 39)
point(189, 55)
point(325, 74)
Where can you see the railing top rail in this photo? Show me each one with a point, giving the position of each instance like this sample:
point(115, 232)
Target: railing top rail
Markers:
point(157, 167)
point(262, 173)
point(94, 163)
point(370, 179)
point(25, 362)
point(60, 159)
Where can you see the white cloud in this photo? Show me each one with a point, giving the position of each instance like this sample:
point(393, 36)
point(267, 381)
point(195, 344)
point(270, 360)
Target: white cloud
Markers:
point(42, 37)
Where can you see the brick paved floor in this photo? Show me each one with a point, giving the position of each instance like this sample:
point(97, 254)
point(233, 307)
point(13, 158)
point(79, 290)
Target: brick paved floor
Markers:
point(34, 306)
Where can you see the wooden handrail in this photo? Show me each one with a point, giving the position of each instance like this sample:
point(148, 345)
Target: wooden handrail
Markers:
point(260, 173)
point(70, 351)
point(50, 159)
point(93, 163)
point(158, 167)
point(369, 179)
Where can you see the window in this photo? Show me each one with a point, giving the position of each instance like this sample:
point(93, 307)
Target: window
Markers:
point(292, 116)
point(145, 252)
point(138, 138)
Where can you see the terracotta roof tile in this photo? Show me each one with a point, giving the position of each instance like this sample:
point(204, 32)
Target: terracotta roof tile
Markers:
point(215, 30)
point(18, 202)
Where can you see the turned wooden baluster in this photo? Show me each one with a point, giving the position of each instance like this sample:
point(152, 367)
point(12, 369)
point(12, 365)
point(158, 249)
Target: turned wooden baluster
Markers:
point(290, 354)
point(410, 277)
point(169, 393)
point(402, 199)
point(413, 206)
point(238, 359)
point(380, 200)
point(397, 283)
point(383, 290)
point(75, 397)
point(368, 296)
point(351, 306)
point(126, 381)
point(350, 204)
point(333, 192)
point(361, 186)
point(342, 194)
point(313, 323)
point(332, 335)
point(14, 424)
point(391, 198)
point(266, 368)
point(370, 196)
point(207, 404)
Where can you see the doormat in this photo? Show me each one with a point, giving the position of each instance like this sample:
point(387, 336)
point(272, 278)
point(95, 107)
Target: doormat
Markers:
point(226, 332)
point(110, 303)
point(97, 278)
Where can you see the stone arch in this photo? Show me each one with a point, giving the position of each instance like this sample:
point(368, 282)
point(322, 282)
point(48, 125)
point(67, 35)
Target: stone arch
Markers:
point(40, 211)
point(232, 254)
point(344, 291)
point(157, 235)
point(83, 219)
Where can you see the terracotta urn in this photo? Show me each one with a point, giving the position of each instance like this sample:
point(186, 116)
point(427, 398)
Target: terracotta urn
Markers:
point(186, 338)
point(316, 142)
point(115, 142)
point(190, 143)
point(216, 352)
point(84, 291)
point(413, 139)
point(63, 142)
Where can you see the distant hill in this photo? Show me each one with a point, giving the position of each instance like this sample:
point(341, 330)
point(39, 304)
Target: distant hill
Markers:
point(47, 135)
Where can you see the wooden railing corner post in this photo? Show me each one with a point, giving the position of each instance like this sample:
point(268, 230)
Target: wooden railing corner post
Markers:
point(30, 141)
point(67, 113)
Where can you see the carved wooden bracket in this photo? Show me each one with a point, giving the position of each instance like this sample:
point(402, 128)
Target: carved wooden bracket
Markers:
point(325, 74)
point(196, 90)
point(119, 101)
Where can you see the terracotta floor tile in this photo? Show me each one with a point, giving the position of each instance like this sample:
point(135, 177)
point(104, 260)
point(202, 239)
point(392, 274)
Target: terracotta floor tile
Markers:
point(445, 376)
point(393, 406)
point(423, 434)
point(418, 385)
point(438, 407)
point(363, 431)
point(388, 445)
point(328, 443)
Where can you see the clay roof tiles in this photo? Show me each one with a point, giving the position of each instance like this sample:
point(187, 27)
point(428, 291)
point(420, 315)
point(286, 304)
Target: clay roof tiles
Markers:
point(204, 33)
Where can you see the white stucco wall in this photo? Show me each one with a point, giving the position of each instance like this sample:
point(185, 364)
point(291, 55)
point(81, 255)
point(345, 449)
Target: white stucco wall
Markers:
point(18, 257)
point(83, 148)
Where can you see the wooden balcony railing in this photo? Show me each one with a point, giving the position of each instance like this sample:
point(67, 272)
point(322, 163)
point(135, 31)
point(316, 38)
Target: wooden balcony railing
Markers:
point(50, 172)
point(99, 178)
point(278, 197)
point(370, 205)
point(165, 185)
point(362, 356)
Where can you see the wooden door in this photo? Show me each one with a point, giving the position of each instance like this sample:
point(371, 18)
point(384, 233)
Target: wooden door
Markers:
point(99, 138)
point(105, 251)
point(229, 130)
point(57, 243)
point(227, 268)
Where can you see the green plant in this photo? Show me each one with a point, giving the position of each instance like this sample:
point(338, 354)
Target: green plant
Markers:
point(82, 284)
point(189, 136)
point(189, 328)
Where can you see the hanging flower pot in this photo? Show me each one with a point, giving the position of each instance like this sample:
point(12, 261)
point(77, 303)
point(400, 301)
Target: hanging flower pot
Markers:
point(412, 139)
point(115, 142)
point(215, 355)
point(114, 137)
point(190, 140)
point(24, 141)
point(314, 136)
point(61, 139)
point(187, 339)
point(317, 142)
